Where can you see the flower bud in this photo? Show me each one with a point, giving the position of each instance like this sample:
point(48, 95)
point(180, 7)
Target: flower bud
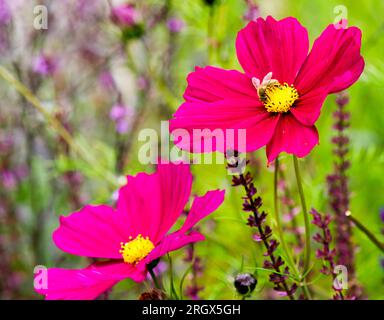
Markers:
point(153, 294)
point(245, 283)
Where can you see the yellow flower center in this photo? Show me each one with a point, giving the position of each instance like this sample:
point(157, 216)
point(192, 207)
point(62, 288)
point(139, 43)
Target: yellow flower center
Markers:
point(137, 249)
point(278, 97)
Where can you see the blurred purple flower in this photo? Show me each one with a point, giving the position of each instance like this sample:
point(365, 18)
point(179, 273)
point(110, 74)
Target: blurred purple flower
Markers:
point(86, 8)
point(252, 13)
point(21, 172)
point(6, 144)
point(44, 65)
point(106, 80)
point(122, 126)
point(175, 24)
point(382, 214)
point(117, 112)
point(125, 15)
point(159, 270)
point(288, 217)
point(142, 83)
point(5, 13)
point(8, 179)
point(122, 116)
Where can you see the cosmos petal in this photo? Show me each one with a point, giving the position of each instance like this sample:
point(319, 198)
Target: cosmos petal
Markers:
point(211, 84)
point(195, 124)
point(172, 242)
point(268, 45)
point(292, 137)
point(201, 207)
point(151, 203)
point(90, 232)
point(88, 283)
point(334, 62)
point(307, 108)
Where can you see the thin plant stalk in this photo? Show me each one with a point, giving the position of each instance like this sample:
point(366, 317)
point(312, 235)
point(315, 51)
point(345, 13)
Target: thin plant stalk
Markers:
point(366, 231)
point(290, 261)
point(278, 220)
point(171, 280)
point(262, 235)
point(307, 247)
point(56, 125)
point(153, 276)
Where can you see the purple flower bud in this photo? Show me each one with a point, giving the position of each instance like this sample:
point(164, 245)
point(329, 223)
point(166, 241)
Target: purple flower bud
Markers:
point(342, 99)
point(122, 116)
point(5, 13)
point(8, 180)
point(252, 13)
point(122, 125)
point(117, 112)
point(44, 65)
point(142, 83)
point(6, 144)
point(245, 283)
point(125, 15)
point(175, 24)
point(106, 80)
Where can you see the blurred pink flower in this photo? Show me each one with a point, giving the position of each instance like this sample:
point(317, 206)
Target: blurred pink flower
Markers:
point(106, 80)
point(279, 96)
point(125, 15)
point(159, 270)
point(45, 65)
point(5, 13)
point(175, 24)
point(142, 83)
point(117, 112)
point(122, 116)
point(252, 13)
point(6, 143)
point(130, 236)
point(8, 179)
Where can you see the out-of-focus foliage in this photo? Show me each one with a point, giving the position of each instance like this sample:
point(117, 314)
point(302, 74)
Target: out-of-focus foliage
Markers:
point(94, 67)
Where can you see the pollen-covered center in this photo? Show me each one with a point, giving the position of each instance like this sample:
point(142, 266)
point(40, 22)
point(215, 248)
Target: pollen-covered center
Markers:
point(278, 97)
point(137, 249)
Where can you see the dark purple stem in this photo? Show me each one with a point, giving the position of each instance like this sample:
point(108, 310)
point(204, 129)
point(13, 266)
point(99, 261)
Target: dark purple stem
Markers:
point(257, 219)
point(338, 191)
point(326, 253)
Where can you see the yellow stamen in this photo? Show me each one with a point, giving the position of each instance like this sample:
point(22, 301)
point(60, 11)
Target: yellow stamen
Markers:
point(279, 97)
point(137, 249)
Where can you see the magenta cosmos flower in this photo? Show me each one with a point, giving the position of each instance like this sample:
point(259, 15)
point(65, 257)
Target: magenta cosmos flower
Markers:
point(279, 96)
point(130, 236)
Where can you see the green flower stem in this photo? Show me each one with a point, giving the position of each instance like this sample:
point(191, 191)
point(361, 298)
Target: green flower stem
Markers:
point(279, 230)
point(171, 280)
point(277, 217)
point(307, 249)
point(364, 229)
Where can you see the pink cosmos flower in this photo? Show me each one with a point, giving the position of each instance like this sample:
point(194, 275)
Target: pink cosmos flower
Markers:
point(279, 96)
point(130, 236)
